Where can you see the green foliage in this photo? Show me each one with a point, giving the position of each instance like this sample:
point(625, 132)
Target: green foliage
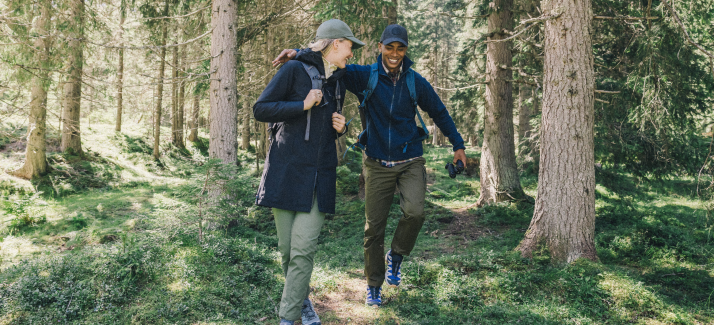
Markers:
point(24, 212)
point(347, 181)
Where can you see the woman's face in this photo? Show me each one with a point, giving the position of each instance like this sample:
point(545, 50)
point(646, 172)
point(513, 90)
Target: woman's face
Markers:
point(340, 53)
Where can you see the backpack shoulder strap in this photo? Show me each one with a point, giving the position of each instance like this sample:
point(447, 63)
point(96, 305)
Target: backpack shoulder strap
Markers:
point(371, 85)
point(316, 80)
point(314, 74)
point(412, 94)
point(411, 87)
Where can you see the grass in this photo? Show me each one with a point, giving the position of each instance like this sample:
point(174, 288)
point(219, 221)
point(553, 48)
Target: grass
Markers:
point(113, 239)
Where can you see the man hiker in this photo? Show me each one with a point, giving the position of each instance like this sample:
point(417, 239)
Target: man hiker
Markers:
point(392, 143)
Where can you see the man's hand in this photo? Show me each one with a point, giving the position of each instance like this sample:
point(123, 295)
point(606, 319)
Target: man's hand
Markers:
point(285, 56)
point(460, 155)
point(338, 122)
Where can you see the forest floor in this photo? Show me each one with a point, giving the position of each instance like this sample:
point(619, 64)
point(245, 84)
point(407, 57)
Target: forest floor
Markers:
point(113, 239)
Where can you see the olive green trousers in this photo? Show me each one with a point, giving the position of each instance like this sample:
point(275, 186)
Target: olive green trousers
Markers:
point(380, 182)
point(297, 243)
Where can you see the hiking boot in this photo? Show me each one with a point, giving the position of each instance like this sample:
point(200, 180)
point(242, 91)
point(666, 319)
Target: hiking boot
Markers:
point(374, 296)
point(309, 316)
point(394, 265)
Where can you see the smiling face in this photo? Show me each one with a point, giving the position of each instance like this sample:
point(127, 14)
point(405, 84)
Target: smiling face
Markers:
point(392, 55)
point(340, 53)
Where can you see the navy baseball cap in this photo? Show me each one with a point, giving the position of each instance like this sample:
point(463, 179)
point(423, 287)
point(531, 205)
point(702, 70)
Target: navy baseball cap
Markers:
point(395, 33)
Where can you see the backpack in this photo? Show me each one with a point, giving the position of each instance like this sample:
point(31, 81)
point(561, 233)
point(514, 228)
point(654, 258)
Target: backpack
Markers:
point(367, 93)
point(317, 82)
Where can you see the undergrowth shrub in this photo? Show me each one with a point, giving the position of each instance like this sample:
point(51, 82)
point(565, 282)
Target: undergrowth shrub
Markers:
point(347, 180)
point(27, 211)
point(177, 279)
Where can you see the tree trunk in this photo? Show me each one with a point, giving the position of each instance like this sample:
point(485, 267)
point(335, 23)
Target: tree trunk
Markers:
point(120, 72)
point(224, 94)
point(524, 119)
point(160, 88)
point(71, 140)
point(245, 135)
point(499, 172)
point(392, 12)
point(35, 153)
point(181, 103)
point(564, 216)
point(193, 124)
point(174, 97)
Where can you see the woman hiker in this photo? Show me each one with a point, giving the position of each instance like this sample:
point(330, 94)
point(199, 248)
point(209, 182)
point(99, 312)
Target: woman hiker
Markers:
point(303, 104)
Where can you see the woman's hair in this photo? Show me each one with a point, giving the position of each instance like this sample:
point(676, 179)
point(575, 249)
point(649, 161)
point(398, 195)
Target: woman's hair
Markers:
point(323, 45)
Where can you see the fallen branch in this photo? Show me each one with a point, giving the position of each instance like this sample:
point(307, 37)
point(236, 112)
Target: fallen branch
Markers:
point(624, 18)
point(606, 91)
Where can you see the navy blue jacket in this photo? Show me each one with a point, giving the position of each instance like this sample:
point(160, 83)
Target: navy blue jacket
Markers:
point(390, 114)
point(294, 168)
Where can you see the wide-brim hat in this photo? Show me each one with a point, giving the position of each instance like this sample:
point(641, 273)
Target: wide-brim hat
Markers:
point(335, 29)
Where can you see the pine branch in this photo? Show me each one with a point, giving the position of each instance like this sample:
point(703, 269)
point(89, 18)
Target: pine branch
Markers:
point(684, 29)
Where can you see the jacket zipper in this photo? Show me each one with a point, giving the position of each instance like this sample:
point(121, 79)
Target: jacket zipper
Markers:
point(319, 151)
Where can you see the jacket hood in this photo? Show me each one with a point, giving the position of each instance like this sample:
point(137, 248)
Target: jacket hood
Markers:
point(315, 59)
point(406, 64)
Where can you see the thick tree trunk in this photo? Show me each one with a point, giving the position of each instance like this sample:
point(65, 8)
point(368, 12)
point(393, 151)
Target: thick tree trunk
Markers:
point(35, 153)
point(160, 90)
point(564, 216)
point(524, 118)
point(71, 140)
point(120, 70)
point(245, 135)
point(499, 172)
point(193, 124)
point(224, 94)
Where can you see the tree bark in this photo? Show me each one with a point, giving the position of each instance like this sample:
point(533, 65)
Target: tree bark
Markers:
point(392, 12)
point(524, 118)
point(180, 109)
point(160, 88)
point(71, 139)
point(499, 172)
point(120, 72)
point(245, 135)
point(36, 151)
point(224, 94)
point(564, 216)
point(193, 124)
point(174, 97)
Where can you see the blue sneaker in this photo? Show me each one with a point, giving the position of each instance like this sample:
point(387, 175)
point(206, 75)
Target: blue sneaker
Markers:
point(284, 321)
point(374, 296)
point(394, 265)
point(309, 316)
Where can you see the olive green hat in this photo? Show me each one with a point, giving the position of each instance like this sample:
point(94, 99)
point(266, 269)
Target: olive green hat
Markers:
point(334, 29)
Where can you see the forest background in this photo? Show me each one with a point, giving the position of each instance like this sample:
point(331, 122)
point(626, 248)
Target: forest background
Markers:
point(129, 161)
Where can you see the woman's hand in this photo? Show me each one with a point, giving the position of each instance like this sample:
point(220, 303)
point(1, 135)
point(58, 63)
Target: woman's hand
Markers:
point(338, 122)
point(313, 98)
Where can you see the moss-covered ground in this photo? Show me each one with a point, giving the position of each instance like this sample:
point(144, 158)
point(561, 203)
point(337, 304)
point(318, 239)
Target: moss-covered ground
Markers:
point(113, 239)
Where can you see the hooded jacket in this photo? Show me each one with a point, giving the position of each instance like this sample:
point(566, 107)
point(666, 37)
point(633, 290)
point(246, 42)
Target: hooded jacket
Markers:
point(390, 114)
point(295, 168)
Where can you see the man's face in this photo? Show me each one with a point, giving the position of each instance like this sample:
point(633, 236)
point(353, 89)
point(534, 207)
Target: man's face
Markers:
point(393, 54)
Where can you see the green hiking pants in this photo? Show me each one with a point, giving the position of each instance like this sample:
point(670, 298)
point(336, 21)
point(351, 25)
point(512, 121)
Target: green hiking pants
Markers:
point(380, 182)
point(297, 242)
